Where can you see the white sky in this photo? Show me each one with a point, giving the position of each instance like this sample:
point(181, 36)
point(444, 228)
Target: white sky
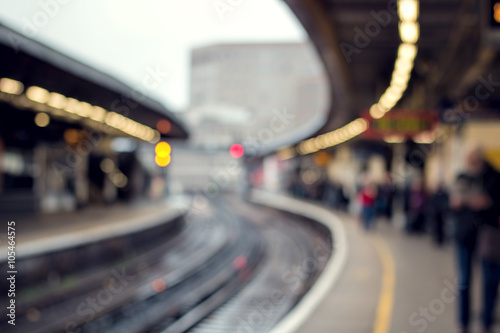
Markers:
point(126, 37)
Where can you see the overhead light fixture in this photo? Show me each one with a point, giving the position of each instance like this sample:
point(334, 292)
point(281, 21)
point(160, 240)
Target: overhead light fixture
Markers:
point(387, 103)
point(37, 94)
point(408, 10)
point(403, 66)
point(42, 119)
point(57, 101)
point(10, 86)
point(286, 153)
point(72, 106)
point(85, 109)
point(98, 114)
point(394, 138)
point(400, 80)
point(44, 98)
point(375, 112)
point(407, 51)
point(409, 32)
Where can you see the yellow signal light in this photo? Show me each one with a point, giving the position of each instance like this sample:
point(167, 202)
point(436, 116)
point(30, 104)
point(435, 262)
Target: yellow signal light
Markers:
point(162, 151)
point(162, 161)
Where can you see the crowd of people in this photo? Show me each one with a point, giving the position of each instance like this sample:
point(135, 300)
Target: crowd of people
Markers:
point(475, 206)
point(468, 213)
point(472, 206)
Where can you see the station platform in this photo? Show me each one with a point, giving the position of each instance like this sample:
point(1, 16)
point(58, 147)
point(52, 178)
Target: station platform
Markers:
point(391, 283)
point(388, 282)
point(56, 231)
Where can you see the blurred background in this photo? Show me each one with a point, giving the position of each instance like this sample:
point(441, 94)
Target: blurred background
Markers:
point(218, 166)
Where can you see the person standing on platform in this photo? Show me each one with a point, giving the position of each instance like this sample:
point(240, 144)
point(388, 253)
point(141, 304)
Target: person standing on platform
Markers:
point(416, 218)
point(479, 201)
point(367, 198)
point(465, 234)
point(439, 211)
point(387, 193)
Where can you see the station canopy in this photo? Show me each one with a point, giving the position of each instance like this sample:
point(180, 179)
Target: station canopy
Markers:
point(36, 78)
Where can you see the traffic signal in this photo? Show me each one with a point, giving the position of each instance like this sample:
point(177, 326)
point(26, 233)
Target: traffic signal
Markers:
point(236, 150)
point(162, 151)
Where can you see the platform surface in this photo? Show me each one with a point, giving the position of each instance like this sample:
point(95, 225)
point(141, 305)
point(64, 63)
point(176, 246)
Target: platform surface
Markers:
point(393, 283)
point(51, 232)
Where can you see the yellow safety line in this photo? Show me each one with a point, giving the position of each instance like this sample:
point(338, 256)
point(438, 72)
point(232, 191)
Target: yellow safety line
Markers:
point(386, 300)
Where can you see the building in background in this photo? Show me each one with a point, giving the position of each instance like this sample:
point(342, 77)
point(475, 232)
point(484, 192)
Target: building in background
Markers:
point(238, 90)
point(263, 96)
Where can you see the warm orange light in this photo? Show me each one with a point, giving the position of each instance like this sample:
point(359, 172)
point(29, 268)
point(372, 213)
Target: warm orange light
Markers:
point(72, 136)
point(163, 126)
point(321, 158)
point(162, 161)
point(496, 12)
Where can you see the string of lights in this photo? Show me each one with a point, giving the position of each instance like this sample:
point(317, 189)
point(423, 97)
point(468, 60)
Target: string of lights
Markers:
point(409, 31)
point(40, 99)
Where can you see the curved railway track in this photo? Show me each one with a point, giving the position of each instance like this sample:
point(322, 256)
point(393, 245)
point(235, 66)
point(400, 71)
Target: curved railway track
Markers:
point(231, 267)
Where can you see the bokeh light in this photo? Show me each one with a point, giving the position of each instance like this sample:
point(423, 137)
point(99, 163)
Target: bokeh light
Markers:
point(162, 161)
point(163, 126)
point(162, 149)
point(236, 150)
point(42, 119)
point(33, 315)
point(240, 262)
point(159, 285)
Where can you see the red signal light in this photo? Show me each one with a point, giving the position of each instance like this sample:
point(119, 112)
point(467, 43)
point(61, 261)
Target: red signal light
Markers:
point(236, 150)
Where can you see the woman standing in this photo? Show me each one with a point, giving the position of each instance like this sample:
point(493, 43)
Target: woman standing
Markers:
point(367, 198)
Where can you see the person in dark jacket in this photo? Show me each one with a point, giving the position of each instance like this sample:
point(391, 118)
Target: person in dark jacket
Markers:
point(465, 234)
point(439, 211)
point(476, 202)
point(417, 201)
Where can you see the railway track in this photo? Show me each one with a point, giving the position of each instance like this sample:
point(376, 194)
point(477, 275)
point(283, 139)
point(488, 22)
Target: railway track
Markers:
point(298, 250)
point(228, 269)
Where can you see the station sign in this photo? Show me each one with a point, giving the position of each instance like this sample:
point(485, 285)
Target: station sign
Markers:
point(406, 123)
